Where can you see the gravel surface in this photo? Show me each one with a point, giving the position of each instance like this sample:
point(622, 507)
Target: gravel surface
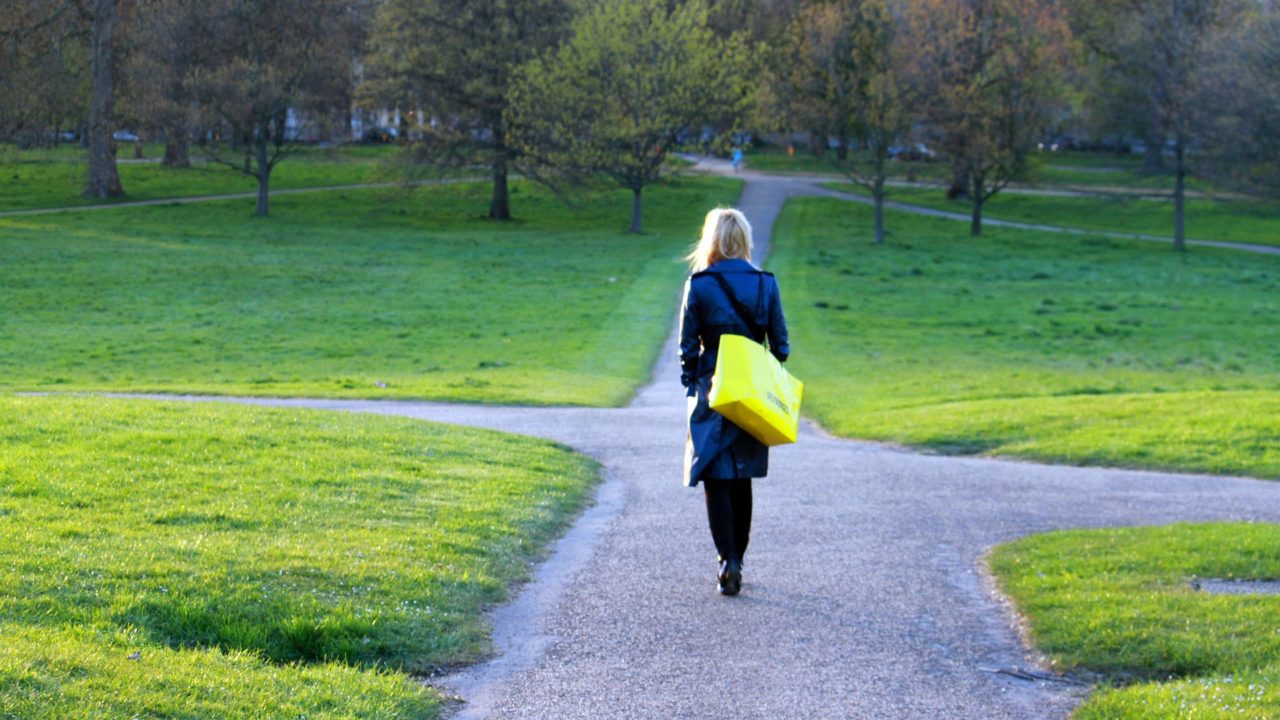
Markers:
point(863, 595)
point(1214, 586)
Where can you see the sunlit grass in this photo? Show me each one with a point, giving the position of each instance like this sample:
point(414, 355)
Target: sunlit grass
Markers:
point(1058, 348)
point(257, 560)
point(352, 294)
point(55, 178)
point(1119, 603)
point(1249, 221)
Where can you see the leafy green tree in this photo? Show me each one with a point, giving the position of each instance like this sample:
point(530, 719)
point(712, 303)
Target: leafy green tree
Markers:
point(257, 62)
point(842, 76)
point(43, 70)
point(45, 47)
point(456, 58)
point(617, 98)
point(1147, 74)
point(819, 72)
point(157, 73)
point(991, 74)
point(1115, 97)
point(1167, 42)
point(1240, 88)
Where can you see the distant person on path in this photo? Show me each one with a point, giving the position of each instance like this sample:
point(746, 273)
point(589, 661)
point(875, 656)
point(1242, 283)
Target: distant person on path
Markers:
point(737, 159)
point(719, 454)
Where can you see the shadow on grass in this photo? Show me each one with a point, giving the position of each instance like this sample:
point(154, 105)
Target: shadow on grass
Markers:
point(278, 629)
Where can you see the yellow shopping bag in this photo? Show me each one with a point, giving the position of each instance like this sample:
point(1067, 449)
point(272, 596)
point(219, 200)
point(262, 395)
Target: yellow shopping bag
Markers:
point(751, 389)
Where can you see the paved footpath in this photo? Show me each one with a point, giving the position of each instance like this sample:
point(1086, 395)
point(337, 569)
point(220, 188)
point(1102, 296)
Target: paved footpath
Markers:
point(817, 185)
point(863, 595)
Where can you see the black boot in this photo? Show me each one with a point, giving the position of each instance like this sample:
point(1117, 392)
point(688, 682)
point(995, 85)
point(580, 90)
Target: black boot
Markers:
point(730, 576)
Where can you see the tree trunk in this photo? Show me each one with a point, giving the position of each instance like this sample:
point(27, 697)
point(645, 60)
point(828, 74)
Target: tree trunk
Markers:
point(880, 218)
point(975, 218)
point(817, 142)
point(500, 203)
point(137, 148)
point(264, 174)
point(1153, 158)
point(878, 192)
point(1179, 198)
point(842, 152)
point(978, 196)
point(177, 146)
point(960, 178)
point(636, 210)
point(103, 179)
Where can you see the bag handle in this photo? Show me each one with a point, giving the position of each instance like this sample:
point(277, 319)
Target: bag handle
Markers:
point(747, 317)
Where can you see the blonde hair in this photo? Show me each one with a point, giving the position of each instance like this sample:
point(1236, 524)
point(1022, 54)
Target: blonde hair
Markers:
point(725, 234)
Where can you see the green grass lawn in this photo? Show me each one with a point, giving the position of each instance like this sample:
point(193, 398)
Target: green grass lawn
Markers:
point(775, 160)
point(1236, 220)
point(1057, 170)
point(353, 294)
point(1070, 169)
point(1057, 348)
point(262, 562)
point(1100, 169)
point(55, 178)
point(1117, 603)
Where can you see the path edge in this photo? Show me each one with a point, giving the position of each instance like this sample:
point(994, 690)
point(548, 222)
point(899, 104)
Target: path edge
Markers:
point(519, 637)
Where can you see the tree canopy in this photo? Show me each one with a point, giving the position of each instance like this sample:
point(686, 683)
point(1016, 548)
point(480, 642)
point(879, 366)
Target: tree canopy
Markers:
point(455, 59)
point(260, 63)
point(991, 75)
point(635, 78)
point(841, 74)
point(564, 91)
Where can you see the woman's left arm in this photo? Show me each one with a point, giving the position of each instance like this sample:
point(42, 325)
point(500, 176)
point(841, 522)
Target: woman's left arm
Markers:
point(779, 343)
point(690, 344)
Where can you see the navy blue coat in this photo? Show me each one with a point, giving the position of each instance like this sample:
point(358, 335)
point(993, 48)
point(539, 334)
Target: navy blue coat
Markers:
point(715, 447)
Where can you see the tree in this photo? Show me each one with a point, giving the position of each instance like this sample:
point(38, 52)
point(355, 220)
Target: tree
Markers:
point(1151, 58)
point(42, 41)
point(1241, 83)
point(1172, 49)
point(44, 79)
point(990, 73)
point(103, 179)
point(457, 57)
point(262, 62)
point(1117, 101)
point(762, 20)
point(158, 72)
point(841, 73)
point(821, 71)
point(618, 96)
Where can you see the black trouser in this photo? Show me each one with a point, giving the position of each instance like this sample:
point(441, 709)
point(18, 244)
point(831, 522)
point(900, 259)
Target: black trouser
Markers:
point(729, 514)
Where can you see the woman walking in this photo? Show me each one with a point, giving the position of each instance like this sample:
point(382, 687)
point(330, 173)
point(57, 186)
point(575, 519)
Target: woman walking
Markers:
point(725, 295)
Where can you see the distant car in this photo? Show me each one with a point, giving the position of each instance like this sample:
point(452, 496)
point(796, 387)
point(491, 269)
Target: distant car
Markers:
point(68, 136)
point(125, 136)
point(1062, 142)
point(912, 151)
